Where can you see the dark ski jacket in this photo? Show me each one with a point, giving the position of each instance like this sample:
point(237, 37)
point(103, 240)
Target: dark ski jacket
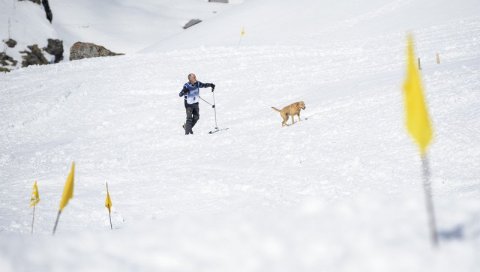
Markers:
point(191, 92)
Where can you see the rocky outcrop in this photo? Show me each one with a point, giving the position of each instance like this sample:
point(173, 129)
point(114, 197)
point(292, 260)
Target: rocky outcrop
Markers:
point(80, 50)
point(10, 43)
point(55, 48)
point(33, 57)
point(192, 23)
point(6, 60)
point(48, 10)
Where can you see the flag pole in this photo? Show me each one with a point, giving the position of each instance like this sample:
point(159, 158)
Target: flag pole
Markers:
point(427, 186)
point(109, 212)
point(34, 199)
point(110, 216)
point(242, 33)
point(56, 222)
point(67, 194)
point(33, 219)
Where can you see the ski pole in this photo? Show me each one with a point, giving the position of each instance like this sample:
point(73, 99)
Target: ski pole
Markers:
point(214, 109)
point(206, 101)
point(213, 106)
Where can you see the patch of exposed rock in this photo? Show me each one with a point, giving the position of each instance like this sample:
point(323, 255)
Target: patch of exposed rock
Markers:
point(33, 57)
point(55, 48)
point(10, 43)
point(81, 50)
point(6, 60)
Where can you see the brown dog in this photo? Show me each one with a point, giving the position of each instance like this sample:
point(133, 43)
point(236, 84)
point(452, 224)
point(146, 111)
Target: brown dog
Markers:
point(291, 110)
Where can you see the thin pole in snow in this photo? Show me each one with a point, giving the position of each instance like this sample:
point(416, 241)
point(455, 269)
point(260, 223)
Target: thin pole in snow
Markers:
point(419, 64)
point(110, 216)
point(242, 33)
point(33, 219)
point(56, 222)
point(215, 110)
point(109, 212)
point(9, 28)
point(429, 201)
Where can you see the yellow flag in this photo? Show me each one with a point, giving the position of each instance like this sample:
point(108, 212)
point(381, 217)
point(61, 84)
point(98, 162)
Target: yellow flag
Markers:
point(35, 198)
point(418, 121)
point(68, 189)
point(242, 33)
point(108, 201)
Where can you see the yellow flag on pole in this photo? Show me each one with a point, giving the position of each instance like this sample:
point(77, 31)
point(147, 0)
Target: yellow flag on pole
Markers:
point(68, 189)
point(417, 118)
point(35, 198)
point(108, 201)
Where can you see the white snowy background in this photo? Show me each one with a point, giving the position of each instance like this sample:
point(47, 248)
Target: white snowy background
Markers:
point(341, 191)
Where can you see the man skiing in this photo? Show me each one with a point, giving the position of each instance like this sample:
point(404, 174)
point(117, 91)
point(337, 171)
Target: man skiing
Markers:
point(191, 93)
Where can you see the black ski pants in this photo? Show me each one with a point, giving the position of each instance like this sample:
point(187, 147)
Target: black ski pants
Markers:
point(193, 114)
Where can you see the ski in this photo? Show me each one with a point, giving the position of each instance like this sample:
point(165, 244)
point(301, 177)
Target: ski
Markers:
point(217, 130)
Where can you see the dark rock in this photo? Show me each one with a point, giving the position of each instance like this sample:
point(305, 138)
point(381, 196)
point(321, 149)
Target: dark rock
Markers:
point(34, 57)
point(192, 23)
point(55, 48)
point(6, 60)
point(48, 11)
point(10, 43)
point(80, 50)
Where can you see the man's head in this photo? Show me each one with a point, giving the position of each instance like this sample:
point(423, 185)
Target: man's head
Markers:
point(192, 78)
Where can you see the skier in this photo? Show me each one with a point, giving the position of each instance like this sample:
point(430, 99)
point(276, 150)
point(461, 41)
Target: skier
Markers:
point(191, 93)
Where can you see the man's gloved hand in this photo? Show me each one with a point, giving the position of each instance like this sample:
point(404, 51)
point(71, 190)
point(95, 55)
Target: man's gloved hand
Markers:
point(213, 87)
point(183, 92)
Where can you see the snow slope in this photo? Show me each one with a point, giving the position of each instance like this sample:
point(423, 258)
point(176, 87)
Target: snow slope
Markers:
point(315, 23)
point(340, 191)
point(127, 25)
point(124, 26)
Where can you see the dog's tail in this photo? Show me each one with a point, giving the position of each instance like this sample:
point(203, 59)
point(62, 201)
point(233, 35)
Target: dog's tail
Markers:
point(276, 109)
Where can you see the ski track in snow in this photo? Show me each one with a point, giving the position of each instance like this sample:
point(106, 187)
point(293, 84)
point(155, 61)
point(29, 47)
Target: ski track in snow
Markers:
point(326, 194)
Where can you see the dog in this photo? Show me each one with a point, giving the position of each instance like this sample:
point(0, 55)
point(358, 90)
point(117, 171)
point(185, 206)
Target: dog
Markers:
point(291, 110)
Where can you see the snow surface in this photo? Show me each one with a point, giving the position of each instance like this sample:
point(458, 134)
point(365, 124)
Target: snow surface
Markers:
point(339, 191)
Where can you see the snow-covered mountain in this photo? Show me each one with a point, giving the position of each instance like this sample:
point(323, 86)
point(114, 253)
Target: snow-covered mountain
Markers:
point(128, 26)
point(125, 26)
point(339, 191)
